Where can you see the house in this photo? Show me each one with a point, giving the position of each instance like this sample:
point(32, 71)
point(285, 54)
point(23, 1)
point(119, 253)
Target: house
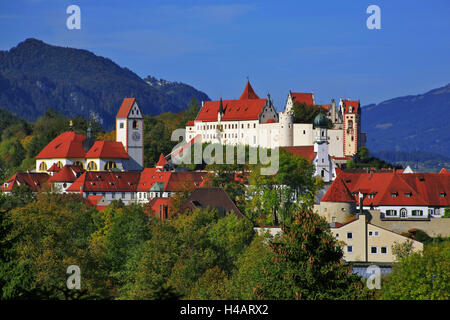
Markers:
point(365, 242)
point(396, 195)
point(154, 183)
point(212, 197)
point(124, 154)
point(34, 180)
point(112, 185)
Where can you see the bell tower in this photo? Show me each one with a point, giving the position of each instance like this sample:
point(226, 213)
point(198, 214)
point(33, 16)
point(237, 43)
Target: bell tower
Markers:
point(130, 131)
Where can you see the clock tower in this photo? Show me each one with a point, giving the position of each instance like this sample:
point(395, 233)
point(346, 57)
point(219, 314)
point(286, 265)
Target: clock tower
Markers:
point(130, 131)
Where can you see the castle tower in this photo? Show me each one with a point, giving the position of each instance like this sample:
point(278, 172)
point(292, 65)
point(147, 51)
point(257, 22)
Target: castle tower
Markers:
point(130, 131)
point(352, 126)
point(286, 129)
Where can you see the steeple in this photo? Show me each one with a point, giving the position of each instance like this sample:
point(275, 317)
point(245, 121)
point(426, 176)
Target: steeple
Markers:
point(221, 107)
point(221, 111)
point(248, 93)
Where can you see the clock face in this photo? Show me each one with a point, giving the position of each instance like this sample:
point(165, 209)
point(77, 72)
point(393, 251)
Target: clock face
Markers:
point(136, 136)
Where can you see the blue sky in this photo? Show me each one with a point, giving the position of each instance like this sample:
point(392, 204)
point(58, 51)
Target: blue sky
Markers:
point(319, 46)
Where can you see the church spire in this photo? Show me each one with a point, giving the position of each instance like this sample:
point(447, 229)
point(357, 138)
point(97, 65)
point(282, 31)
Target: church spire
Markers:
point(248, 93)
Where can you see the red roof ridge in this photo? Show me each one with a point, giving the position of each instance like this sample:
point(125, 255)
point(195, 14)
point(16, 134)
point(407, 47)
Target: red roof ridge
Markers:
point(162, 161)
point(338, 192)
point(125, 108)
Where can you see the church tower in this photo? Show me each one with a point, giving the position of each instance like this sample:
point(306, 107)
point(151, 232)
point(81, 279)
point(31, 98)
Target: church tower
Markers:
point(324, 165)
point(130, 131)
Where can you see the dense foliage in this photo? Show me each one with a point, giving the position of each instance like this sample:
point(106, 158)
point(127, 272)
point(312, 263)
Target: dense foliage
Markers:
point(362, 159)
point(421, 275)
point(198, 254)
point(304, 113)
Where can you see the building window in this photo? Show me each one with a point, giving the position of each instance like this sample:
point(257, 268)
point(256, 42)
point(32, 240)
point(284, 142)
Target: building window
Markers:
point(59, 164)
point(42, 166)
point(349, 235)
point(92, 166)
point(113, 195)
point(394, 194)
point(431, 211)
point(349, 248)
point(370, 233)
point(391, 213)
point(376, 233)
point(121, 125)
point(110, 165)
point(123, 195)
point(384, 250)
point(373, 250)
point(417, 212)
point(79, 164)
point(135, 124)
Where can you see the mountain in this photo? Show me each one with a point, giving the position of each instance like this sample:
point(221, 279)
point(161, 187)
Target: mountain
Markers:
point(35, 76)
point(415, 123)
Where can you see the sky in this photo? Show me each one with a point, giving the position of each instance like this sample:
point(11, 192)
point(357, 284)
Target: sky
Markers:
point(324, 47)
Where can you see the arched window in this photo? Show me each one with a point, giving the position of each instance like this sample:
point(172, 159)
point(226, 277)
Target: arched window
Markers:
point(59, 164)
point(79, 164)
point(42, 166)
point(135, 124)
point(110, 165)
point(92, 166)
point(350, 124)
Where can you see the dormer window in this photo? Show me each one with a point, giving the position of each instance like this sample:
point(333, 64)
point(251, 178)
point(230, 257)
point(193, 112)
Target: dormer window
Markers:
point(408, 194)
point(394, 194)
point(442, 194)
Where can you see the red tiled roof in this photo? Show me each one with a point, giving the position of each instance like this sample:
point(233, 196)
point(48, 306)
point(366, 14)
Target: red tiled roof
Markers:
point(248, 93)
point(302, 151)
point(234, 110)
point(54, 168)
point(353, 103)
point(325, 106)
point(271, 121)
point(413, 189)
point(66, 174)
point(93, 200)
point(102, 181)
point(303, 97)
point(173, 181)
point(125, 108)
point(338, 192)
point(190, 123)
point(247, 107)
point(162, 161)
point(67, 145)
point(35, 180)
point(107, 150)
point(444, 171)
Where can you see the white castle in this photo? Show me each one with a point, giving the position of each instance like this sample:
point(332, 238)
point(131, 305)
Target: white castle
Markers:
point(253, 121)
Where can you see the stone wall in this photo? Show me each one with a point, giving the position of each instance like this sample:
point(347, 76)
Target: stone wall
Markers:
point(433, 227)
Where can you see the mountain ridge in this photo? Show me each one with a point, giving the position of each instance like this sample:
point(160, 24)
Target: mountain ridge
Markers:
point(35, 76)
point(410, 123)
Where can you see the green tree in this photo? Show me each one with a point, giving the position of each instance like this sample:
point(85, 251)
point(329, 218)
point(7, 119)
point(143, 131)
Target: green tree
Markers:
point(402, 250)
point(421, 276)
point(280, 195)
point(306, 263)
point(181, 250)
point(48, 235)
